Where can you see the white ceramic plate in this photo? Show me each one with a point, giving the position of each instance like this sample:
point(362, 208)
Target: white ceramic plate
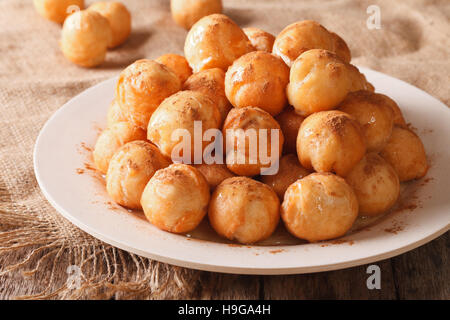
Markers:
point(61, 162)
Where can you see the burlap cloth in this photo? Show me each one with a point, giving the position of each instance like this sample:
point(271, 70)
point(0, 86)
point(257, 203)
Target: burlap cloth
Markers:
point(37, 244)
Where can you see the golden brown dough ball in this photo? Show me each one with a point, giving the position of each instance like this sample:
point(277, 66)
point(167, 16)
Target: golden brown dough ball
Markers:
point(305, 35)
point(141, 87)
point(290, 170)
point(212, 83)
point(374, 114)
point(177, 64)
point(406, 153)
point(111, 139)
point(330, 141)
point(375, 183)
point(214, 173)
point(244, 210)
point(114, 114)
point(290, 123)
point(129, 171)
point(176, 198)
point(187, 12)
point(358, 80)
point(119, 18)
point(399, 120)
point(321, 206)
point(57, 10)
point(258, 79)
point(243, 157)
point(260, 39)
point(179, 111)
point(85, 38)
point(215, 41)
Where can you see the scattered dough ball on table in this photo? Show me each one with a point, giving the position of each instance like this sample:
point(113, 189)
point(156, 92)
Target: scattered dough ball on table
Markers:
point(114, 114)
point(260, 39)
point(129, 171)
point(258, 79)
point(57, 10)
point(141, 87)
point(111, 139)
point(321, 206)
point(244, 125)
point(290, 170)
point(305, 35)
point(176, 198)
point(85, 38)
point(187, 12)
point(406, 153)
point(290, 123)
point(375, 183)
point(119, 18)
point(244, 210)
point(330, 141)
point(214, 173)
point(215, 41)
point(177, 64)
point(374, 114)
point(179, 111)
point(212, 83)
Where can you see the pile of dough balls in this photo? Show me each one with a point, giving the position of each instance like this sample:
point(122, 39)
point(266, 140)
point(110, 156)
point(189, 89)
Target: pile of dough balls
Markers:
point(342, 150)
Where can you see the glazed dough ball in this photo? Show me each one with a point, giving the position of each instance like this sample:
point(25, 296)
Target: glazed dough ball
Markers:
point(374, 114)
point(290, 123)
point(177, 64)
point(129, 171)
point(258, 79)
point(290, 170)
point(248, 120)
point(187, 12)
point(244, 210)
point(305, 35)
point(214, 173)
point(330, 141)
point(119, 18)
point(111, 139)
point(85, 38)
point(260, 39)
point(319, 81)
point(114, 114)
point(179, 111)
point(176, 198)
point(215, 41)
point(375, 183)
point(321, 206)
point(141, 87)
point(57, 10)
point(406, 153)
point(212, 83)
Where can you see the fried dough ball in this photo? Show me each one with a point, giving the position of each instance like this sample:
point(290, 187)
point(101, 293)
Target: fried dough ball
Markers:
point(187, 12)
point(399, 120)
point(375, 183)
point(129, 171)
point(290, 170)
point(179, 111)
point(305, 35)
point(214, 173)
point(119, 18)
point(141, 87)
point(258, 79)
point(244, 210)
point(319, 81)
point(177, 64)
point(374, 114)
point(358, 80)
point(242, 135)
point(111, 139)
point(290, 123)
point(57, 10)
point(406, 153)
point(114, 114)
point(215, 41)
point(260, 39)
point(321, 206)
point(85, 38)
point(176, 198)
point(212, 83)
point(330, 141)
